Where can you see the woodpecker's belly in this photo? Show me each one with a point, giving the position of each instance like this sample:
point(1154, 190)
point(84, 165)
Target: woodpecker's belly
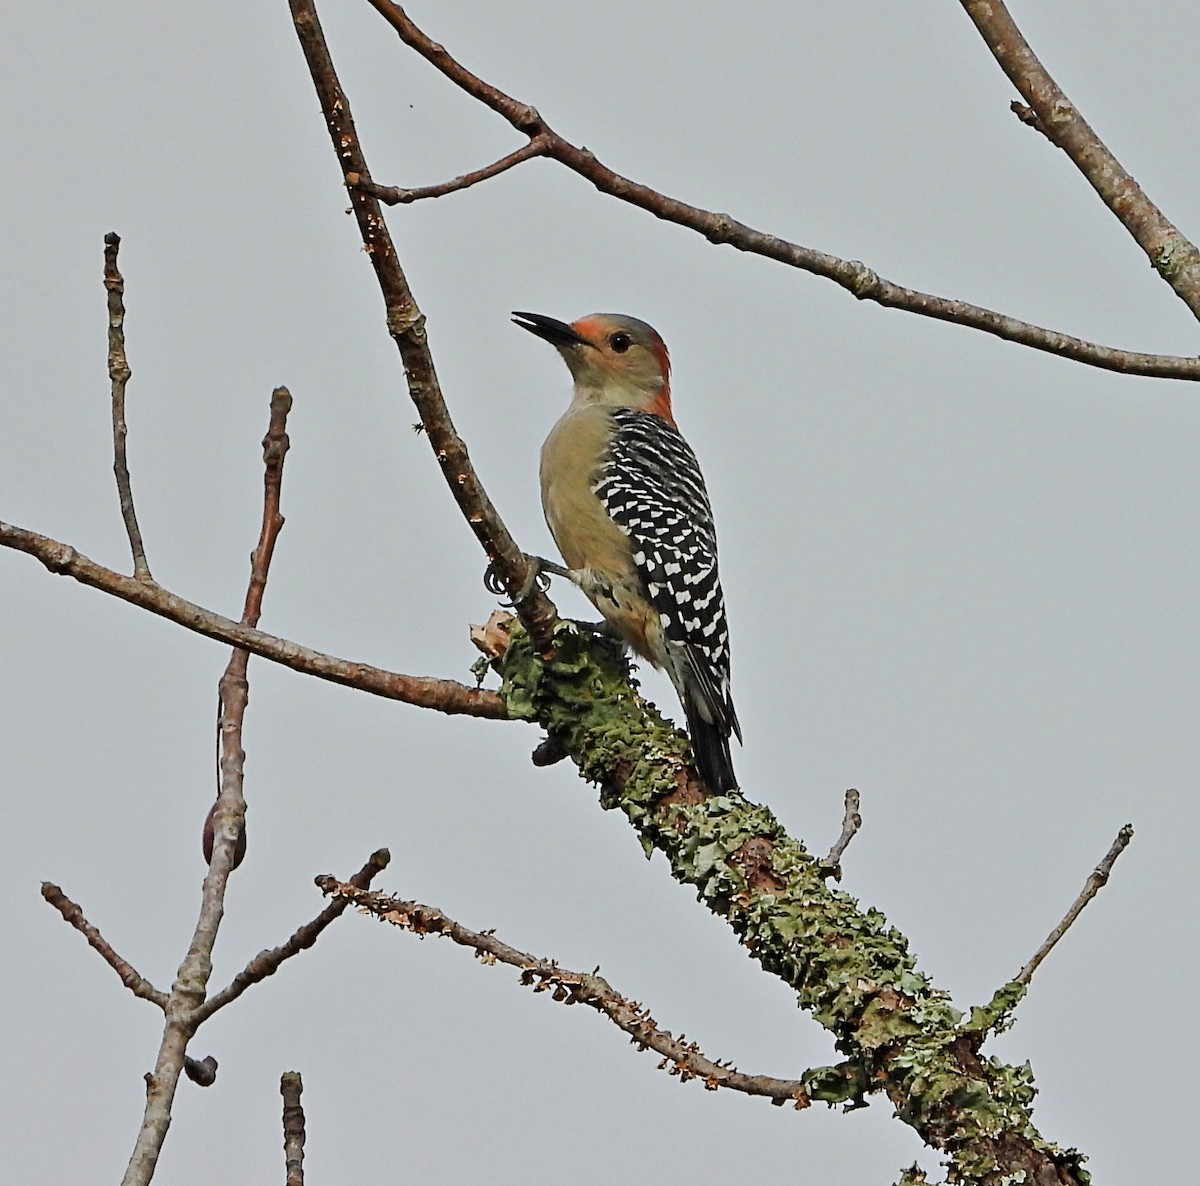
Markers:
point(591, 544)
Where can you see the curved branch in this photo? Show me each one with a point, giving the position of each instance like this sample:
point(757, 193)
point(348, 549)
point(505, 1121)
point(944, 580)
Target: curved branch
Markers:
point(406, 324)
point(852, 275)
point(445, 695)
point(390, 195)
point(1172, 254)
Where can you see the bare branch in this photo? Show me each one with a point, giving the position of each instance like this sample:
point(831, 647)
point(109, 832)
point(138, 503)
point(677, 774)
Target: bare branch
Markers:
point(406, 324)
point(851, 275)
point(1172, 254)
point(444, 695)
point(229, 821)
point(119, 373)
point(130, 977)
point(1090, 889)
point(290, 1087)
point(680, 1057)
point(851, 822)
point(267, 963)
point(390, 195)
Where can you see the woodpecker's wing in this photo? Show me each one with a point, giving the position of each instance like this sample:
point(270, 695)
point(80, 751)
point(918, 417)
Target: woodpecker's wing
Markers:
point(651, 486)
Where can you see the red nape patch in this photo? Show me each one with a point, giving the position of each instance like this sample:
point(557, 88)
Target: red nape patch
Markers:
point(662, 401)
point(662, 404)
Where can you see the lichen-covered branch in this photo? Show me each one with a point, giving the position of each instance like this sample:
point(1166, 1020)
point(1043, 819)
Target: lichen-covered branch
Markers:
point(680, 1057)
point(850, 969)
point(852, 275)
point(445, 695)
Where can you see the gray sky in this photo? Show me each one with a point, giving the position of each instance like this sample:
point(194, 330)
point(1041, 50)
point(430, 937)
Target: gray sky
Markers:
point(961, 576)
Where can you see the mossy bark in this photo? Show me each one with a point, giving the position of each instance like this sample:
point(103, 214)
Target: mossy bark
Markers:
point(851, 970)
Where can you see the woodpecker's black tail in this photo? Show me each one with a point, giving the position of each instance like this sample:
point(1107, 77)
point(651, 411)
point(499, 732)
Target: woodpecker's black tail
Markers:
point(710, 750)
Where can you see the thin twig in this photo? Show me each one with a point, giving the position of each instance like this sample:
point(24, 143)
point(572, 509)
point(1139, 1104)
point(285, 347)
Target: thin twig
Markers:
point(680, 1057)
point(291, 1086)
point(851, 822)
point(852, 275)
point(445, 695)
point(119, 373)
point(1028, 117)
point(1172, 254)
point(406, 325)
point(267, 963)
point(233, 692)
point(130, 977)
point(1091, 888)
point(229, 820)
point(391, 195)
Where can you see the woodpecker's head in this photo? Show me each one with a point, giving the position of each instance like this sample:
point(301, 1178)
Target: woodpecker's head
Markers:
point(614, 359)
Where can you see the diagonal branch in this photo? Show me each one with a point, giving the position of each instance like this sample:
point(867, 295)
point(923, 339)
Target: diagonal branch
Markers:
point(851, 970)
point(851, 275)
point(119, 374)
point(406, 324)
point(1093, 885)
point(681, 1057)
point(445, 695)
point(1172, 254)
point(267, 963)
point(130, 977)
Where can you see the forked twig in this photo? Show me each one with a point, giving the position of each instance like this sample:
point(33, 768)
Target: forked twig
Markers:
point(1172, 254)
point(267, 963)
point(851, 822)
point(852, 275)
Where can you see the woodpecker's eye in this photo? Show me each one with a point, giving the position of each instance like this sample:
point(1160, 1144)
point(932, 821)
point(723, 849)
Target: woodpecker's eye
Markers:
point(620, 341)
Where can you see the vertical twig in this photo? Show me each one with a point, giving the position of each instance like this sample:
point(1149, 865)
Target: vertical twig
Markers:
point(119, 372)
point(290, 1087)
point(191, 982)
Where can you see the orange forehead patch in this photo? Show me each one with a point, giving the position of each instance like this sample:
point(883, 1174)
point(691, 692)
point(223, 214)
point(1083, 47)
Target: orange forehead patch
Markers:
point(593, 328)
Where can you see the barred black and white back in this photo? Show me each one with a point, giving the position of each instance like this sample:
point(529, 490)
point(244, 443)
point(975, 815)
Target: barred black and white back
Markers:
point(651, 486)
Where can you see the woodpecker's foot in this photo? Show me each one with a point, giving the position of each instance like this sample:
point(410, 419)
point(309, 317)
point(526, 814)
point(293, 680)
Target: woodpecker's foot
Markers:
point(539, 576)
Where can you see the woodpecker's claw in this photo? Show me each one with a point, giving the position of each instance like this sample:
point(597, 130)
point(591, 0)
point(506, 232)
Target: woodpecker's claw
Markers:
point(540, 571)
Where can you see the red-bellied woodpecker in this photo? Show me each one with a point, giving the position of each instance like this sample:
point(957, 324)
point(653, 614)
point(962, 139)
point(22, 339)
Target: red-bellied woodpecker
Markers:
point(625, 501)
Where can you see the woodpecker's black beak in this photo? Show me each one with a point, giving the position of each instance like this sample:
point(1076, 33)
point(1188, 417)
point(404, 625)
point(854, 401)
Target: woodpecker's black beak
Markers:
point(550, 329)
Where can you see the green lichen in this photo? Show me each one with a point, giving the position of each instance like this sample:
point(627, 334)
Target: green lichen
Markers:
point(851, 970)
